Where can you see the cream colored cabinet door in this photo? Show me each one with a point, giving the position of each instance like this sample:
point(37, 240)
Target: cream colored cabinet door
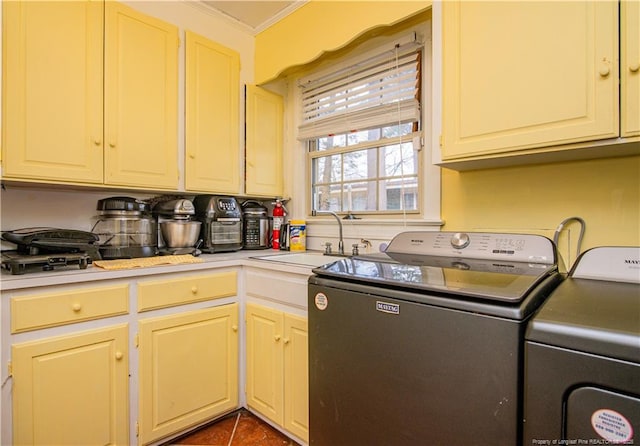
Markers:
point(188, 369)
point(264, 142)
point(212, 161)
point(141, 99)
point(52, 91)
point(520, 75)
point(72, 389)
point(630, 67)
point(278, 367)
point(265, 361)
point(296, 376)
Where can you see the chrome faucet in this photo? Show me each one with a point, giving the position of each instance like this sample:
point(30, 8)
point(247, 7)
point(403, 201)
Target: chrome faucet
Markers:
point(340, 242)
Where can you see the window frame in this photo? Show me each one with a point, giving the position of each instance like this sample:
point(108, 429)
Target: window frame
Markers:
point(417, 137)
point(378, 145)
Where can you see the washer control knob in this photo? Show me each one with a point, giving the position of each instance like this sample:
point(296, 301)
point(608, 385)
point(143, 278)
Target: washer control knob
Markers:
point(460, 240)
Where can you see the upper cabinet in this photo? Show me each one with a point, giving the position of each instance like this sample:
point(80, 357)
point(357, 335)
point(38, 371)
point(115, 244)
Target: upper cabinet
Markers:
point(630, 67)
point(264, 142)
point(89, 95)
point(141, 99)
point(212, 160)
point(52, 91)
point(519, 76)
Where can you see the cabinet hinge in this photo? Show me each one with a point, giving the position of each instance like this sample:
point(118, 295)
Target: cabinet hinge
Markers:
point(440, 140)
point(9, 368)
point(136, 340)
point(137, 429)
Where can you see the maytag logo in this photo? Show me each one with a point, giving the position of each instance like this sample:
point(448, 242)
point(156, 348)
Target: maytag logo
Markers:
point(632, 261)
point(387, 307)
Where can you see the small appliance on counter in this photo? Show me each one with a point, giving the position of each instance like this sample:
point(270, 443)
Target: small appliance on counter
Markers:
point(45, 248)
point(126, 228)
point(177, 232)
point(285, 236)
point(221, 219)
point(257, 225)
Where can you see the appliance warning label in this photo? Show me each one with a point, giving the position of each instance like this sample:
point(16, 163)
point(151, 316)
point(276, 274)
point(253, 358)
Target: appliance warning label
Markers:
point(321, 301)
point(612, 426)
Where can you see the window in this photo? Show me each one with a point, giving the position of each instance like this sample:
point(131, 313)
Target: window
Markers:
point(361, 125)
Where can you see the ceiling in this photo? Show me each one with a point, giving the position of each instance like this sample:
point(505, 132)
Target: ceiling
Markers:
point(254, 14)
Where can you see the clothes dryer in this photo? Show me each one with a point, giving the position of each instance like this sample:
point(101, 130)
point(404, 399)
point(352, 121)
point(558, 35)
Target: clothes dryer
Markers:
point(582, 355)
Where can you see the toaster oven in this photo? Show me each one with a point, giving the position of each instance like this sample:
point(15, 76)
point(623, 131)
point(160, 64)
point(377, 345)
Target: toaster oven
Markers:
point(221, 217)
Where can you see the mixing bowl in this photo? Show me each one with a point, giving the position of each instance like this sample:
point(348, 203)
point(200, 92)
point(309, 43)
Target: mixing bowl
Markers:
point(180, 234)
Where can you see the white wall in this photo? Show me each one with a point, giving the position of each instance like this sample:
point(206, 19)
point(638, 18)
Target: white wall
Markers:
point(41, 206)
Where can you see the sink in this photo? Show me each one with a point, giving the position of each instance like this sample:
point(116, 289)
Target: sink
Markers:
point(300, 258)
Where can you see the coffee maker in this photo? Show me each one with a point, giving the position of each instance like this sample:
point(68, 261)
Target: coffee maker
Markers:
point(177, 231)
point(256, 230)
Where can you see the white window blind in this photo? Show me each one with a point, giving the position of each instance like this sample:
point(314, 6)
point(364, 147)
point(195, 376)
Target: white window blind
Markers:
point(380, 90)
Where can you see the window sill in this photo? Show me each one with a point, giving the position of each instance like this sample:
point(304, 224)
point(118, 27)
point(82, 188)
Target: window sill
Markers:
point(375, 221)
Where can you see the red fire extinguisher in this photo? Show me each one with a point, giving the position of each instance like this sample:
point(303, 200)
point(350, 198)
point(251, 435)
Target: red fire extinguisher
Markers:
point(278, 221)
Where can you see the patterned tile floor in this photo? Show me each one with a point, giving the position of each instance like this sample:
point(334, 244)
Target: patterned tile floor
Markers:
point(240, 428)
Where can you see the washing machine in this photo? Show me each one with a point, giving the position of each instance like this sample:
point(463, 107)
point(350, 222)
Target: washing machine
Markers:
point(582, 355)
point(422, 345)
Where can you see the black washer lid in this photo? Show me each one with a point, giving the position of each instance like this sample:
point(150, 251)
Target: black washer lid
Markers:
point(599, 316)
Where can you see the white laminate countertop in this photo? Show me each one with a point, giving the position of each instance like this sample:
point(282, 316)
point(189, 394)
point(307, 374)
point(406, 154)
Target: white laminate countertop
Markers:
point(285, 261)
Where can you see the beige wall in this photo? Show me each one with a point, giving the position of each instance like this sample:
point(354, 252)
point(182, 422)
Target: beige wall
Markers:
point(605, 193)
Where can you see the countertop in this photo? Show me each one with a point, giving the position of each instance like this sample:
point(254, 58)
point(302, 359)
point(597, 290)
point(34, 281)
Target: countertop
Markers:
point(286, 261)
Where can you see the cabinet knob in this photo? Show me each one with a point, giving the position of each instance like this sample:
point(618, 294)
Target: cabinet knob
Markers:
point(194, 289)
point(234, 327)
point(76, 307)
point(112, 144)
point(192, 156)
point(604, 71)
point(634, 68)
point(119, 356)
point(286, 341)
point(97, 142)
point(277, 338)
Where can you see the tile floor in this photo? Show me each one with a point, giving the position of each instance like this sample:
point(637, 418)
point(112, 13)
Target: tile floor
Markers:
point(240, 428)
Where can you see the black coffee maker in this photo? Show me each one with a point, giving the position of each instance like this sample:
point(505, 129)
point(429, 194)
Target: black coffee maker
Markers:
point(257, 225)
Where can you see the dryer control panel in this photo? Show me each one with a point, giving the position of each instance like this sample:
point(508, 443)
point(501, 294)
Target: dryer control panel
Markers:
point(613, 263)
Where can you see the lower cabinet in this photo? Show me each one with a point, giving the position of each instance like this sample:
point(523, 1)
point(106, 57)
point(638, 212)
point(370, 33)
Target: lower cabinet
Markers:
point(72, 389)
point(188, 365)
point(73, 377)
point(277, 367)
